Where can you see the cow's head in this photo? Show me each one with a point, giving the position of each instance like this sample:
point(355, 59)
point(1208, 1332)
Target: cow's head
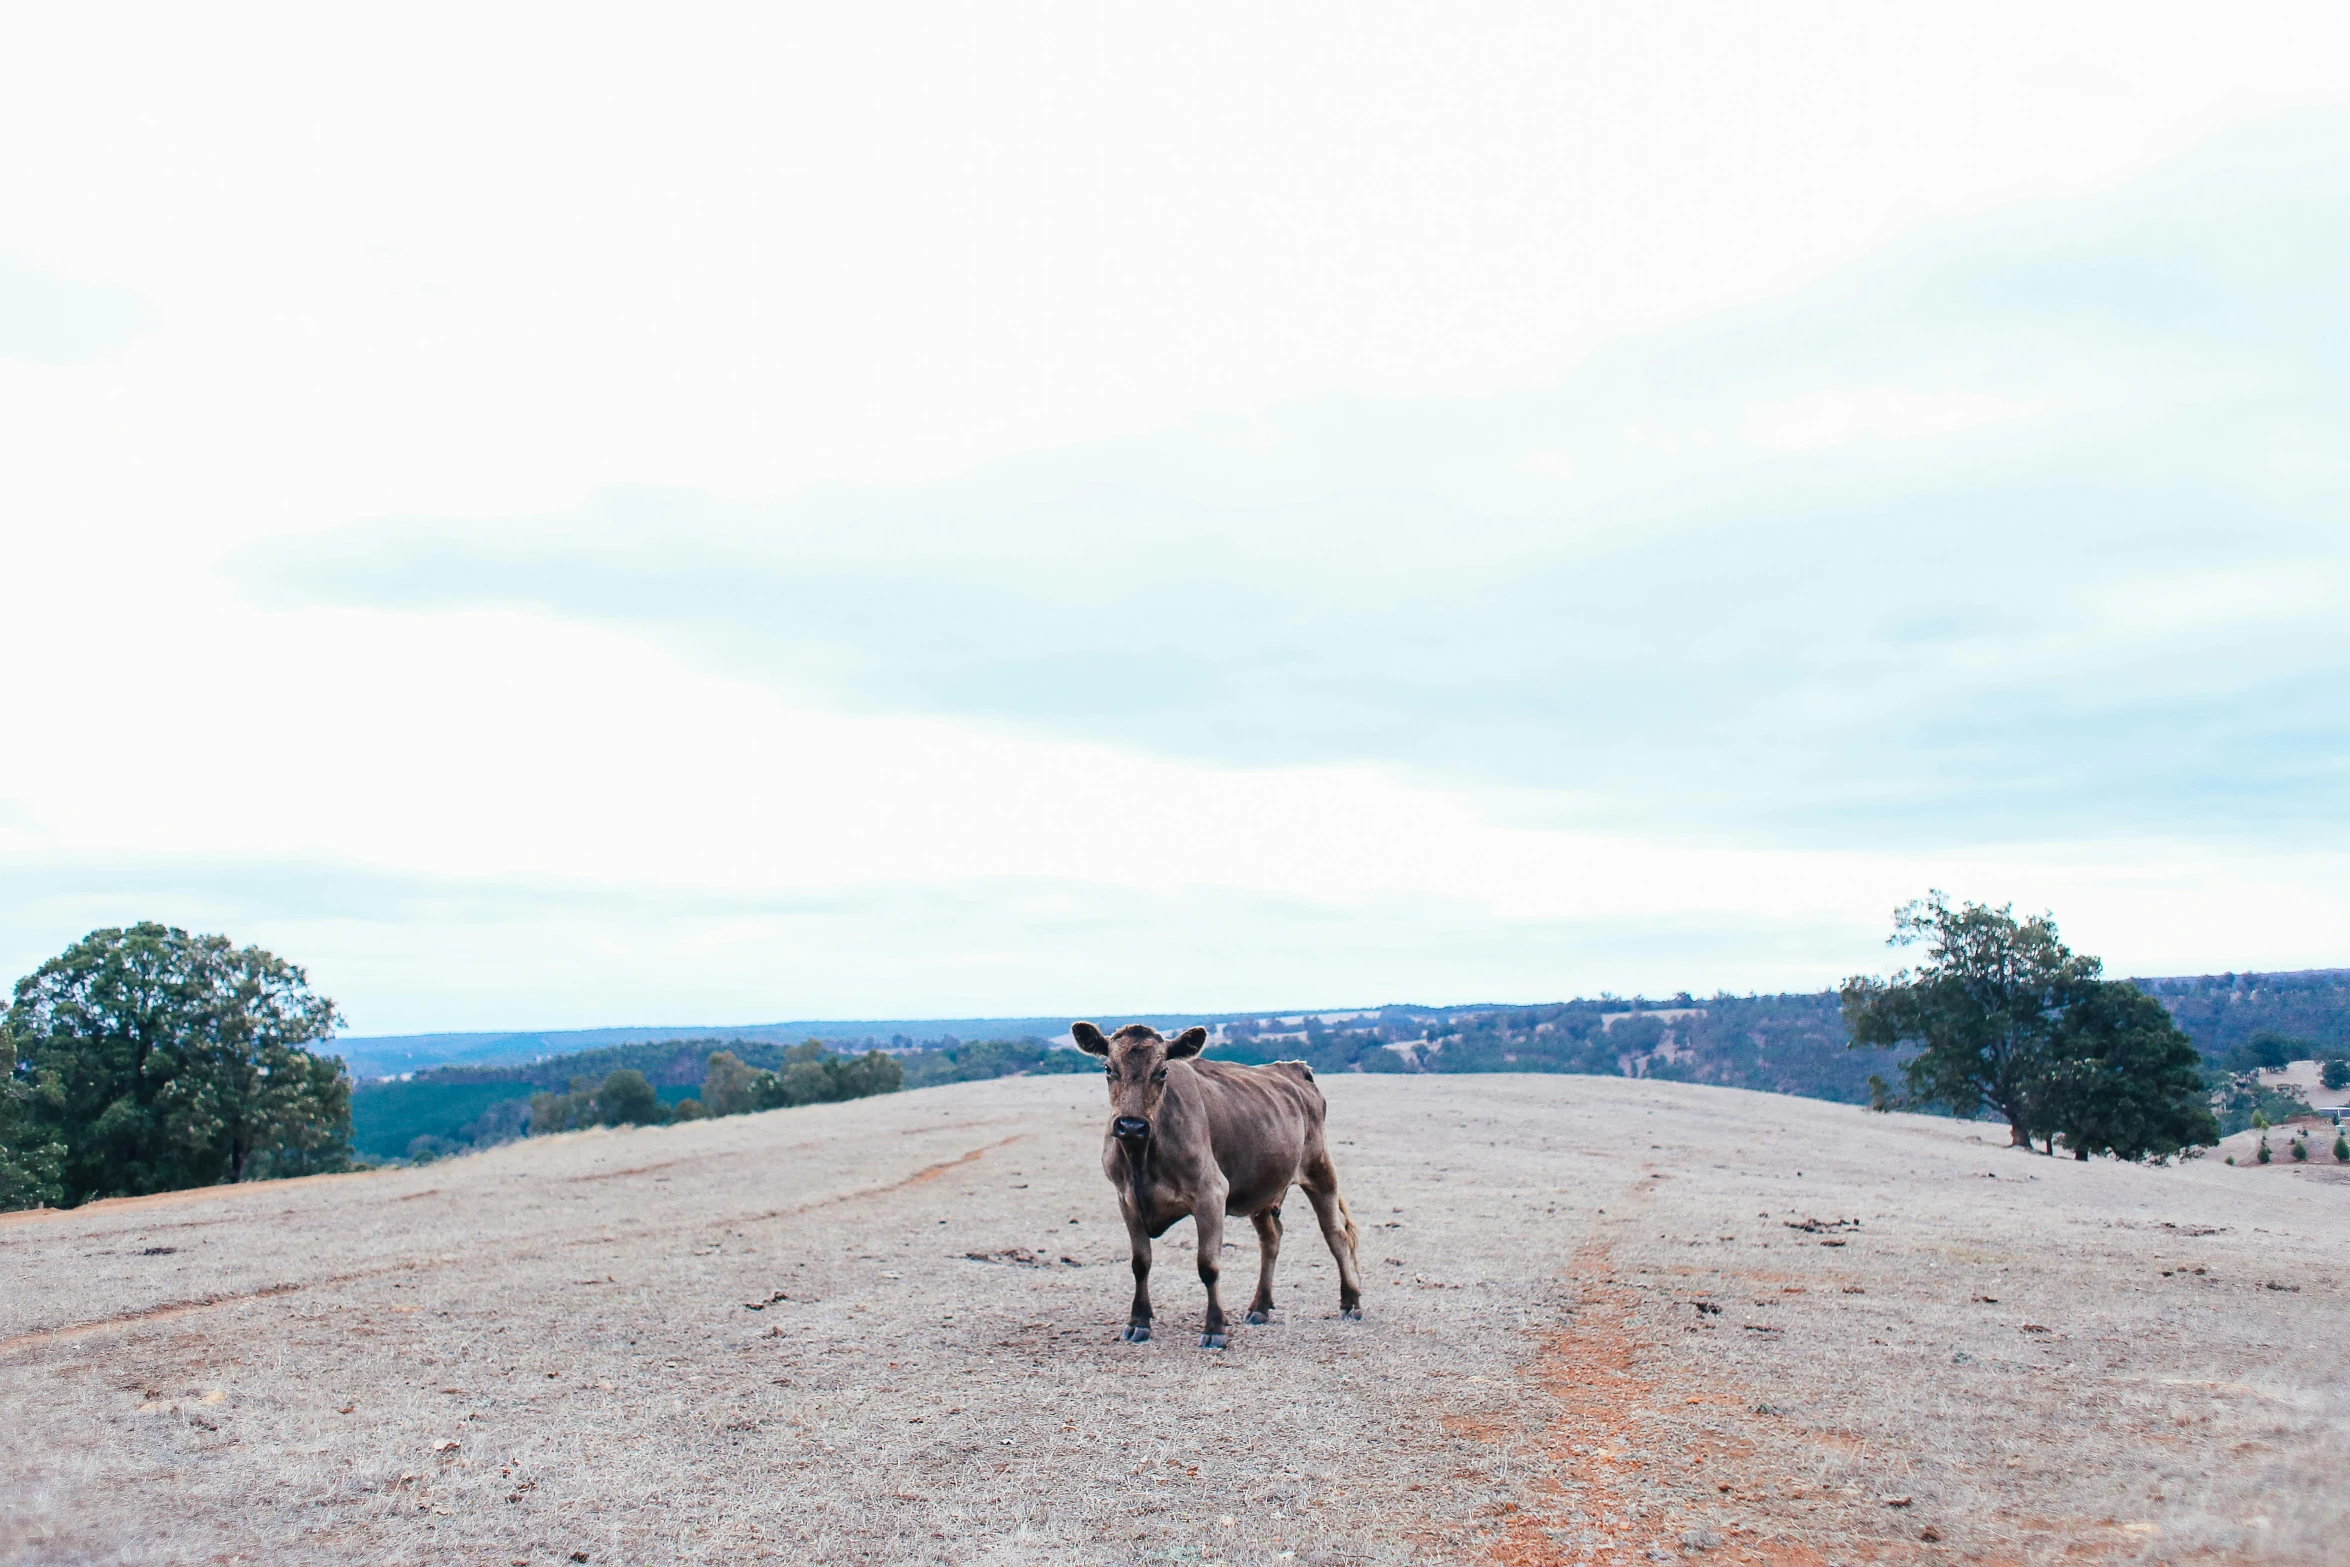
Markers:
point(1135, 1061)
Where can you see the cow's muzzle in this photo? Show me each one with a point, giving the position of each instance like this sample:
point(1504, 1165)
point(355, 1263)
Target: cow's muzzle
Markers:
point(1130, 1128)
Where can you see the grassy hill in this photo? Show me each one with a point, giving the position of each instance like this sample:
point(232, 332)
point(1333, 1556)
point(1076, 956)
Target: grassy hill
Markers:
point(1675, 1321)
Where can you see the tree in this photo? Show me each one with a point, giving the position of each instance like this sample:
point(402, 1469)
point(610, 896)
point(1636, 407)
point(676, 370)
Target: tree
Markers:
point(2266, 1050)
point(2123, 1079)
point(729, 1088)
point(553, 1112)
point(626, 1098)
point(2335, 1073)
point(1983, 1008)
point(157, 1060)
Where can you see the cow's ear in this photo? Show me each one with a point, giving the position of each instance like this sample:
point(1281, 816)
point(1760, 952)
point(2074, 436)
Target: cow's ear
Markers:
point(1089, 1039)
point(1187, 1043)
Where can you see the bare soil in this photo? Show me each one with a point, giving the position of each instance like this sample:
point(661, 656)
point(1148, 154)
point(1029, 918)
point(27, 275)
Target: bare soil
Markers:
point(1606, 1321)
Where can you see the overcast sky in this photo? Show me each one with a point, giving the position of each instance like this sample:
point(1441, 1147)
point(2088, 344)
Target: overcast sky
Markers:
point(556, 518)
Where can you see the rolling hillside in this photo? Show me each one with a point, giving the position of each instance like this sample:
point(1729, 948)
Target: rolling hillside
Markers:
point(1606, 1319)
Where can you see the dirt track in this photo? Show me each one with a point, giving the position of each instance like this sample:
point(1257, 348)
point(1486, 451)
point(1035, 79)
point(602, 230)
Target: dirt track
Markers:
point(1605, 1321)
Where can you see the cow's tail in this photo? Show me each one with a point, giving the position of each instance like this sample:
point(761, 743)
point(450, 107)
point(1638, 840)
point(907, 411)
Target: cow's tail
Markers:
point(1353, 1236)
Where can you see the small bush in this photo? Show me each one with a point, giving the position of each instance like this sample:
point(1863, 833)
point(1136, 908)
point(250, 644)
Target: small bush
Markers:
point(2262, 1153)
point(687, 1110)
point(552, 1112)
point(2341, 1148)
point(2300, 1151)
point(626, 1098)
point(729, 1087)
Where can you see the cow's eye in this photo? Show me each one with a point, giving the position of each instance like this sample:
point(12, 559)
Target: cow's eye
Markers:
point(1159, 1076)
point(1110, 1072)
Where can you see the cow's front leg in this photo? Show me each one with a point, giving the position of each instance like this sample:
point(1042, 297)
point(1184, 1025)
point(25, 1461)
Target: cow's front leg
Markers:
point(1209, 1217)
point(1138, 1321)
point(1268, 1226)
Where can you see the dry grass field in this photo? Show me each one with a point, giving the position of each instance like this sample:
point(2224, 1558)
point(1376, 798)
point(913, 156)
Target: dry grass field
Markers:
point(1606, 1321)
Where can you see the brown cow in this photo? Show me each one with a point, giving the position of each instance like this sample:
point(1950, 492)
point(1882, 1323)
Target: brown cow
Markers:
point(1208, 1138)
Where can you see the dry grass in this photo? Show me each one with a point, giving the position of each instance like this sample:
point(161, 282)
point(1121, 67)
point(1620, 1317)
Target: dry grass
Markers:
point(2022, 1348)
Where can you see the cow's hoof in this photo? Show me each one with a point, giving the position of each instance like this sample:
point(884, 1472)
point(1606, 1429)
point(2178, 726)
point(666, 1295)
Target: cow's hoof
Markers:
point(1137, 1333)
point(1214, 1340)
point(1350, 1313)
point(1257, 1319)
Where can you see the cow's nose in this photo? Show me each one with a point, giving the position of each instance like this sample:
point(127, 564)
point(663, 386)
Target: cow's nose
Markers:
point(1132, 1128)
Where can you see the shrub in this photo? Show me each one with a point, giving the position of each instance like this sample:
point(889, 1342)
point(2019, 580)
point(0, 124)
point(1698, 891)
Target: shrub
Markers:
point(687, 1110)
point(729, 1087)
point(552, 1112)
point(2335, 1073)
point(2262, 1152)
point(627, 1099)
point(2244, 1100)
point(2300, 1151)
point(2341, 1148)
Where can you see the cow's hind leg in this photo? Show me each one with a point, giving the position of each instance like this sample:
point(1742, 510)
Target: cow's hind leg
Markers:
point(1338, 1228)
point(1268, 1226)
point(1209, 1217)
point(1138, 1321)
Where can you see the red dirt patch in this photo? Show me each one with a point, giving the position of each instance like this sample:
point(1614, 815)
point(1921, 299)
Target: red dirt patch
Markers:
point(1626, 1461)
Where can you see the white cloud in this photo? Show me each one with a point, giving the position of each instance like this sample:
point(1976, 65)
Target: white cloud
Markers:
point(2192, 600)
point(479, 260)
point(1830, 418)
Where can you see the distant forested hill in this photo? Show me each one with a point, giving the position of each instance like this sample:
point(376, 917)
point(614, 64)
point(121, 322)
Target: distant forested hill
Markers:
point(1781, 1044)
point(2221, 1011)
point(457, 1107)
point(1786, 1044)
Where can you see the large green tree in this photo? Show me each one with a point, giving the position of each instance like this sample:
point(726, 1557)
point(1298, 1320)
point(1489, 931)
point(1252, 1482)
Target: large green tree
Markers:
point(2123, 1078)
point(1984, 1009)
point(156, 1060)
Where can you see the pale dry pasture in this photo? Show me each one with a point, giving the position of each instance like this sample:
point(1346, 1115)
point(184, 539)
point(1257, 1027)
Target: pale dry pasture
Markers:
point(1605, 1321)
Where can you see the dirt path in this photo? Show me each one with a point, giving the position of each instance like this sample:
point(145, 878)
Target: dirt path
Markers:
point(1607, 1322)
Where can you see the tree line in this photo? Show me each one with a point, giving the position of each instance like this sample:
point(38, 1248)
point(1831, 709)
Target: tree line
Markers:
point(450, 1109)
point(808, 1074)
